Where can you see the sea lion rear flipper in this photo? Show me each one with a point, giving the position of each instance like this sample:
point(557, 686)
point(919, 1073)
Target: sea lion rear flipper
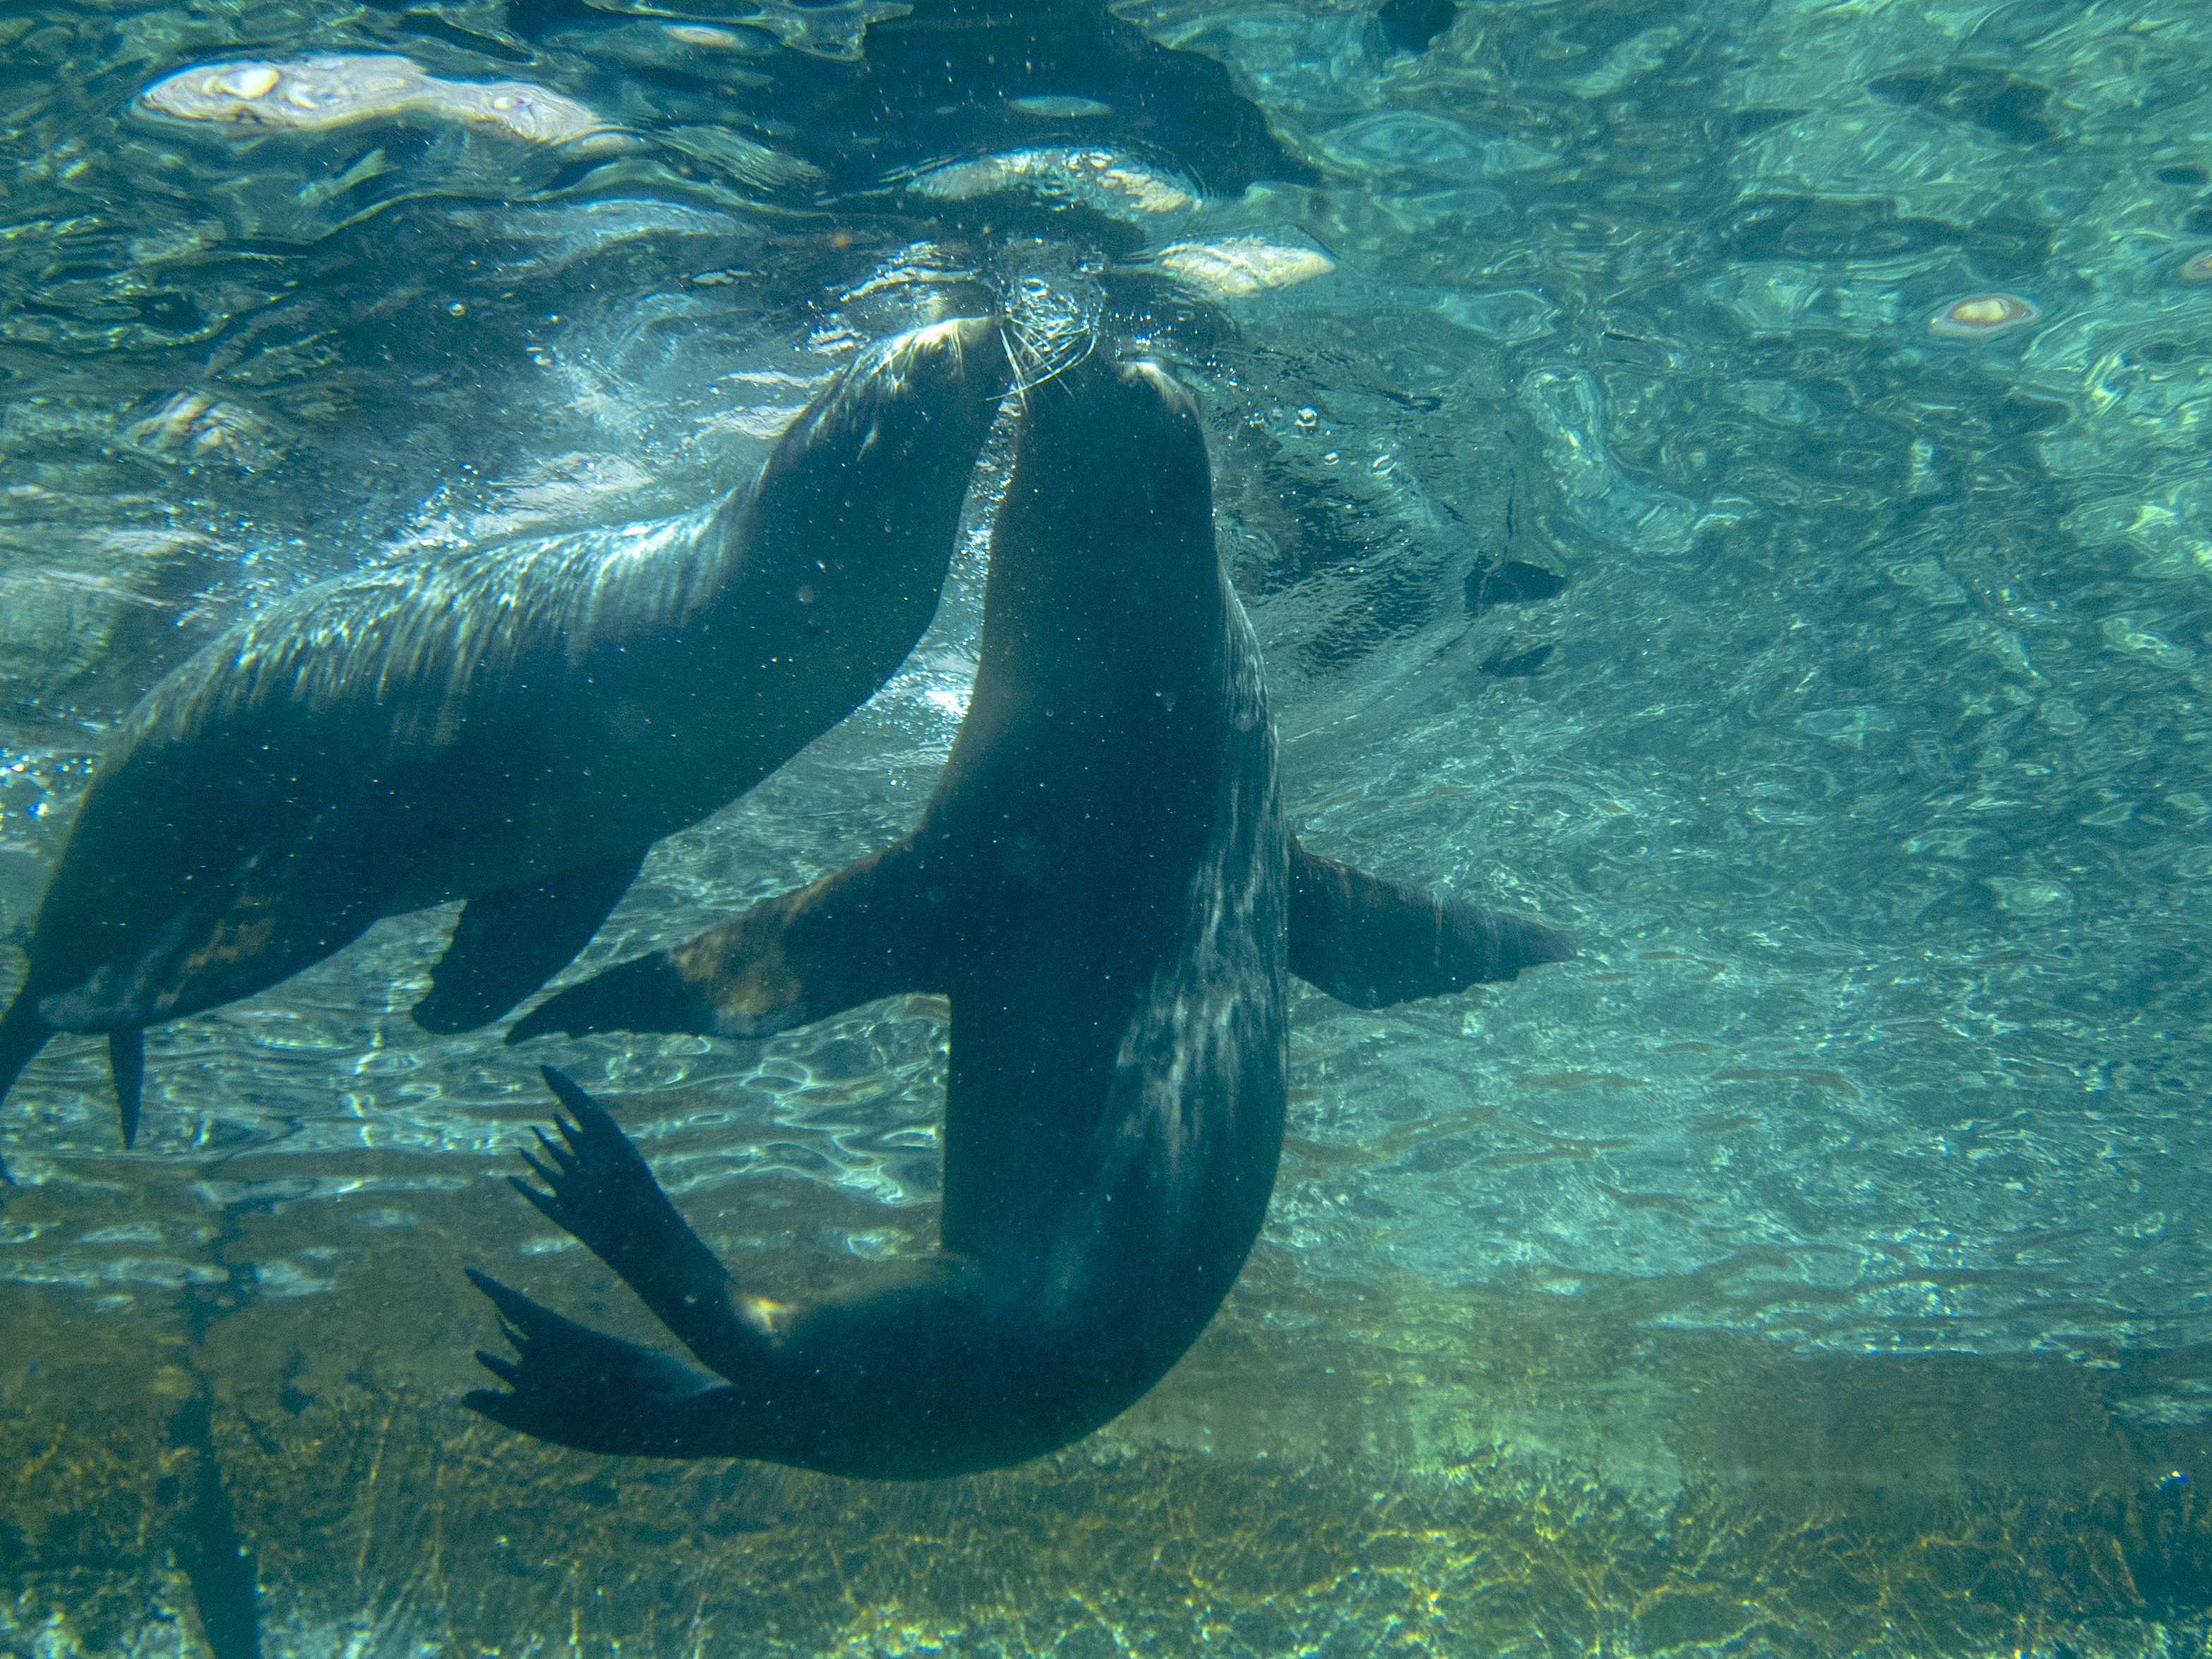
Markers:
point(1371, 943)
point(23, 1034)
point(869, 931)
point(276, 917)
point(577, 1387)
point(508, 943)
point(126, 1064)
point(601, 1191)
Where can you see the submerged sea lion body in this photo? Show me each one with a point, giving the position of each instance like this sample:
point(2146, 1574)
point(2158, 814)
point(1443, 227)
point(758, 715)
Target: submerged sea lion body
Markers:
point(513, 727)
point(1103, 886)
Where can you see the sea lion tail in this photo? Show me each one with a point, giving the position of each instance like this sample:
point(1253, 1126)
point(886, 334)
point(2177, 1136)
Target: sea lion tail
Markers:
point(1372, 942)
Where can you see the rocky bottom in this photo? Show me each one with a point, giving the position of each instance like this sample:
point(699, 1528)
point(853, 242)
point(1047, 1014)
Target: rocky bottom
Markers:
point(212, 1468)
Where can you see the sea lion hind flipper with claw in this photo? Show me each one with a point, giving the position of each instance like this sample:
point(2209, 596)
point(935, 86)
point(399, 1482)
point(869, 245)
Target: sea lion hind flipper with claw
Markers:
point(573, 1385)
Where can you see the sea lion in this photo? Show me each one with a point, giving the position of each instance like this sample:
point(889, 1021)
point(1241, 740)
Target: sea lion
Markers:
point(1103, 885)
point(513, 727)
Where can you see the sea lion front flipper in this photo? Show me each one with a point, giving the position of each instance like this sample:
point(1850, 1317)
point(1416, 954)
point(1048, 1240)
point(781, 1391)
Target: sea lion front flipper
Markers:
point(575, 1386)
point(871, 930)
point(1372, 942)
point(508, 943)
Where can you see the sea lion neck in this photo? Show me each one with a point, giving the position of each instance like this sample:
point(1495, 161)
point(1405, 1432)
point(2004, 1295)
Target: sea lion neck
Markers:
point(1104, 590)
point(824, 573)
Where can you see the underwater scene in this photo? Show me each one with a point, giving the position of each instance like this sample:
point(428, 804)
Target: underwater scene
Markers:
point(1034, 827)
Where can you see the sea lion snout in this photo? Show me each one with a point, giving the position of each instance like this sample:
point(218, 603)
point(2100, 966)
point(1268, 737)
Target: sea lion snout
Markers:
point(1157, 384)
point(937, 355)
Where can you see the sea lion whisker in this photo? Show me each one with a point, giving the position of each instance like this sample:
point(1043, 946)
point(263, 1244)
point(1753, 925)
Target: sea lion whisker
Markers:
point(1016, 348)
point(1090, 345)
point(1040, 366)
point(1044, 349)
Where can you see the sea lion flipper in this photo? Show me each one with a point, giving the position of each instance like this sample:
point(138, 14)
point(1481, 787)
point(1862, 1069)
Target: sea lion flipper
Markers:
point(575, 1386)
point(508, 943)
point(23, 1034)
point(126, 1064)
point(872, 930)
point(24, 1031)
point(1372, 942)
point(600, 1189)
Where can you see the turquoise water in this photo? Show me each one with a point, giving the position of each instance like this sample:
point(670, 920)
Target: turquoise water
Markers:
point(1861, 1144)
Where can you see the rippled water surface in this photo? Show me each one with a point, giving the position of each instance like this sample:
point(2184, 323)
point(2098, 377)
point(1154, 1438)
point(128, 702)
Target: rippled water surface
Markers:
point(1727, 477)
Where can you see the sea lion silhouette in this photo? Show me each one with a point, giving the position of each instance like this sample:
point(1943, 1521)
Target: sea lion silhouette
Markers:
point(515, 728)
point(1103, 885)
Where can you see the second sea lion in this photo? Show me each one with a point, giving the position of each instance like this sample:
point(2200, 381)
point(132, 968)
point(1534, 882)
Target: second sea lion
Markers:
point(515, 728)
